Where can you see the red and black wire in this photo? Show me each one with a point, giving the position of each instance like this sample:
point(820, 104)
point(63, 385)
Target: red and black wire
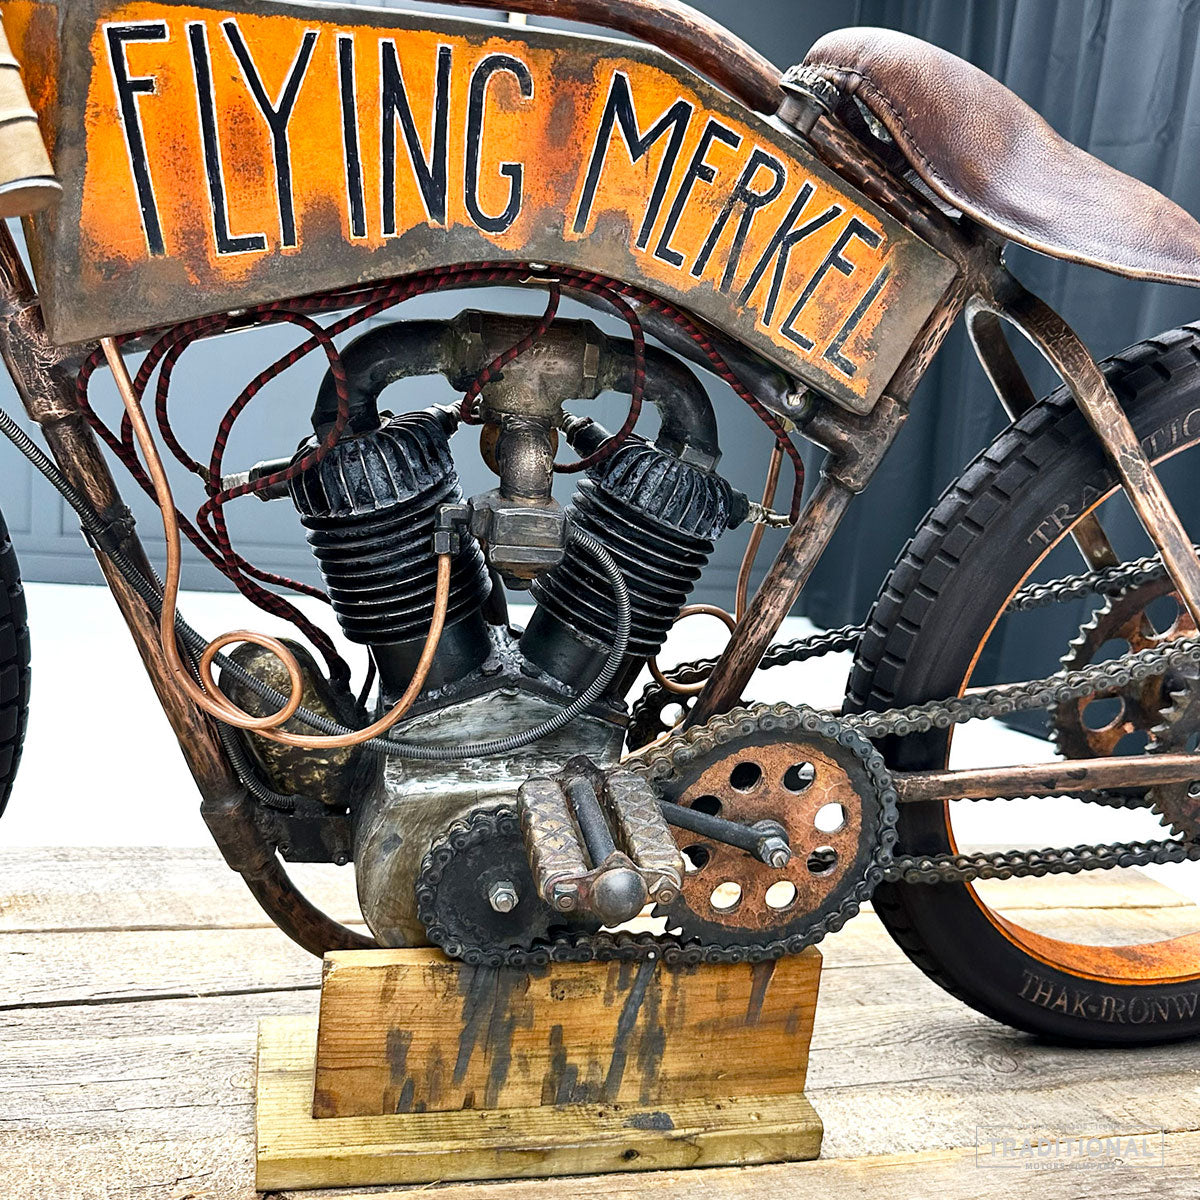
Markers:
point(210, 534)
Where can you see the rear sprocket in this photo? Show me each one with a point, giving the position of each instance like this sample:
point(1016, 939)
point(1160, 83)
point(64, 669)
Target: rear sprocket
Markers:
point(1163, 709)
point(1123, 623)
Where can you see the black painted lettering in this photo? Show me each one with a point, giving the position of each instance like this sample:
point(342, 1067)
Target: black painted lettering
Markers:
point(619, 115)
point(349, 96)
point(833, 352)
point(128, 88)
point(833, 261)
point(512, 171)
point(699, 171)
point(277, 114)
point(227, 243)
point(431, 172)
point(751, 200)
point(779, 248)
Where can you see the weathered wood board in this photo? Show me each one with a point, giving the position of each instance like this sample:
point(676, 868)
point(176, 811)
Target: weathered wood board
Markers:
point(132, 983)
point(297, 1150)
point(413, 1031)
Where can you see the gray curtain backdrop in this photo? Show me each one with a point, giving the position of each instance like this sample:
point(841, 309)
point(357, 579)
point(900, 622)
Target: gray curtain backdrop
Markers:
point(1117, 77)
point(1114, 76)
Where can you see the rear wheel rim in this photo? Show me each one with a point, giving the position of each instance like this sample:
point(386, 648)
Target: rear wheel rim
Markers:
point(1159, 962)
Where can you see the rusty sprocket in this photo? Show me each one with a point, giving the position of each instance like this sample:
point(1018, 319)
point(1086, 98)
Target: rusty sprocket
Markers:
point(1082, 728)
point(821, 783)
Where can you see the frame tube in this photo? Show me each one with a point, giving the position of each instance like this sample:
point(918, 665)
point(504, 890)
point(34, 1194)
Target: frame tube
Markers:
point(1078, 774)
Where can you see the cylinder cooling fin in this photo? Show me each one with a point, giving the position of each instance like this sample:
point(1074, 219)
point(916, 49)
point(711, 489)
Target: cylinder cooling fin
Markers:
point(369, 508)
point(659, 517)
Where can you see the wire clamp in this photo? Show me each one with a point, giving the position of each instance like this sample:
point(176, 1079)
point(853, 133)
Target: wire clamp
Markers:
point(117, 527)
point(452, 520)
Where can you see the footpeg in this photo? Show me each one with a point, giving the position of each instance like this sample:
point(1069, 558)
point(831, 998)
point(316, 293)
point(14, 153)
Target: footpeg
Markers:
point(597, 842)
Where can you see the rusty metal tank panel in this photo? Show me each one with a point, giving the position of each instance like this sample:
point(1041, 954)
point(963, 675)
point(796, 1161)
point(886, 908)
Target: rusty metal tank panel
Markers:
point(221, 156)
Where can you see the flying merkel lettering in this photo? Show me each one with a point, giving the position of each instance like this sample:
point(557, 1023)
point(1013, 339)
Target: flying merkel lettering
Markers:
point(277, 114)
point(128, 88)
point(755, 184)
point(715, 208)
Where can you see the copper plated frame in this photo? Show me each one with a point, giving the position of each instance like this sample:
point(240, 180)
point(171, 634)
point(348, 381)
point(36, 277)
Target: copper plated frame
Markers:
point(45, 378)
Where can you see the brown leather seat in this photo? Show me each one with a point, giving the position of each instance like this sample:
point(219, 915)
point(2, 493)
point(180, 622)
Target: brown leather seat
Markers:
point(987, 153)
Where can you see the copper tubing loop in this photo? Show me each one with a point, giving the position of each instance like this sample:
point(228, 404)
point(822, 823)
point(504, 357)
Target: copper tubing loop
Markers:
point(756, 535)
point(691, 610)
point(207, 695)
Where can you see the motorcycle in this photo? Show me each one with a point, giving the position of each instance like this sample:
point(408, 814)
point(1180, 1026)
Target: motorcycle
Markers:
point(190, 171)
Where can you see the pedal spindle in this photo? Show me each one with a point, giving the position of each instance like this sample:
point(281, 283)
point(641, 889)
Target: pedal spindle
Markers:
point(597, 842)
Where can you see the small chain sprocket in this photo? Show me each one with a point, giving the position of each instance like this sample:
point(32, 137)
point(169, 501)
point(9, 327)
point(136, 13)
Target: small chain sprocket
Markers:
point(454, 891)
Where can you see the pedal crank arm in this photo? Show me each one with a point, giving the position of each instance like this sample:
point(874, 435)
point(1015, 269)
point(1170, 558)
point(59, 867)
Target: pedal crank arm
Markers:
point(765, 840)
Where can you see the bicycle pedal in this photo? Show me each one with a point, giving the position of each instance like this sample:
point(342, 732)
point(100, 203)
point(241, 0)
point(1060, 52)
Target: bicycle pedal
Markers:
point(597, 842)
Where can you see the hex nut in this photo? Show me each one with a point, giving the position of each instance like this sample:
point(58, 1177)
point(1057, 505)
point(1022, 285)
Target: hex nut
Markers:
point(502, 896)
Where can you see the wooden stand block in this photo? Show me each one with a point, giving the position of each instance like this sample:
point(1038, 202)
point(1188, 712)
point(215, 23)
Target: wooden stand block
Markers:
point(426, 1069)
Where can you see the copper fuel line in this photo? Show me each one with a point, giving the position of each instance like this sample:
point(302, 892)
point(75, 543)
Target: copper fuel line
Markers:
point(207, 695)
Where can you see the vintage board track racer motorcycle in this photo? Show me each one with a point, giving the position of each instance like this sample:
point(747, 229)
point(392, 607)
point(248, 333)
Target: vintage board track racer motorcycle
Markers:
point(191, 171)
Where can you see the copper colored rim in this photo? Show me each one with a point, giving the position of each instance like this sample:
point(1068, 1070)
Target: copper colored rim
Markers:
point(1168, 960)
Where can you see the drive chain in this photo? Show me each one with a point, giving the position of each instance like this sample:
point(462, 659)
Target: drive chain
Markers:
point(1000, 701)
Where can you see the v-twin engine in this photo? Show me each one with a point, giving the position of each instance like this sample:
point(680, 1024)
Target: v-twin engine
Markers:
point(387, 496)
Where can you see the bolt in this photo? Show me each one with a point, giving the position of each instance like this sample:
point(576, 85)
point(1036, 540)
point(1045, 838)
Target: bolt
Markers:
point(565, 897)
point(773, 848)
point(502, 896)
point(665, 895)
point(774, 851)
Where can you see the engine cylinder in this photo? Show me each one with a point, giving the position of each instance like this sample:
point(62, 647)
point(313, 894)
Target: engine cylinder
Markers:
point(658, 517)
point(369, 508)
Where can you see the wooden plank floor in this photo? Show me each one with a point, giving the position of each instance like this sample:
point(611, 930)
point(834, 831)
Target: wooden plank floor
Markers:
point(132, 981)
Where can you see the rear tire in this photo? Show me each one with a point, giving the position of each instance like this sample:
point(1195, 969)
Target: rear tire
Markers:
point(14, 665)
point(979, 542)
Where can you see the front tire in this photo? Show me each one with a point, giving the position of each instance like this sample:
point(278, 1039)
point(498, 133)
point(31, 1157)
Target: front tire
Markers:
point(14, 665)
point(984, 537)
